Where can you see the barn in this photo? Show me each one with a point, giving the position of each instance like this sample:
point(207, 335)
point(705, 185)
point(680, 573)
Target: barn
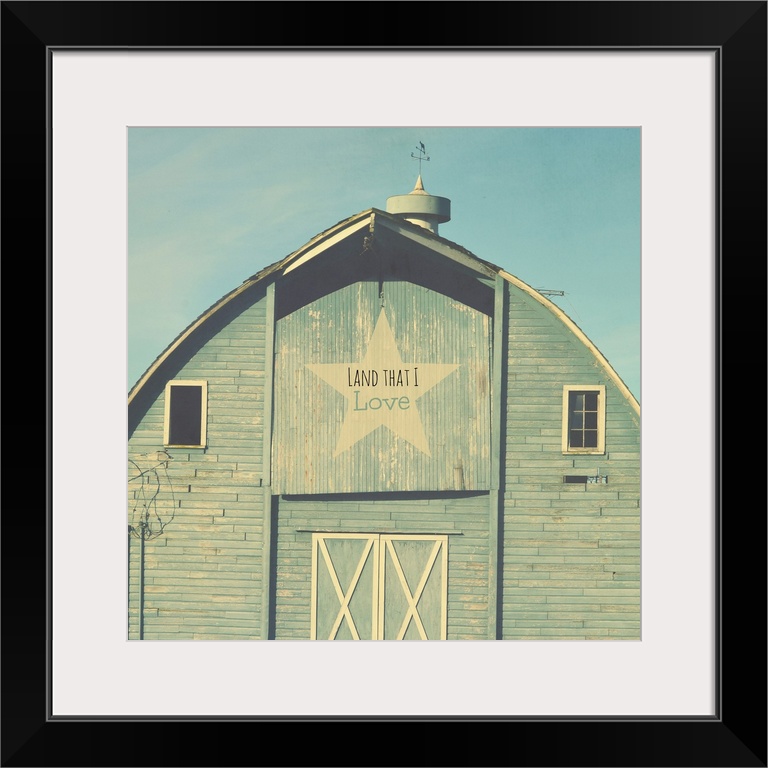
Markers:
point(383, 436)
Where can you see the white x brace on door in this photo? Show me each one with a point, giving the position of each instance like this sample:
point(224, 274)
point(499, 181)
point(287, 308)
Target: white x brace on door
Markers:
point(376, 586)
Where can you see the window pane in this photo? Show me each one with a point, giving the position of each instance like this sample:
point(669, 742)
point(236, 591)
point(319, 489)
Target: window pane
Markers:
point(577, 420)
point(590, 420)
point(590, 438)
point(577, 401)
point(577, 440)
point(590, 401)
point(185, 415)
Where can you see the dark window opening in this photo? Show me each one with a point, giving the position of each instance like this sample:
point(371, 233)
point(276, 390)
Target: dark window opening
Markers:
point(185, 415)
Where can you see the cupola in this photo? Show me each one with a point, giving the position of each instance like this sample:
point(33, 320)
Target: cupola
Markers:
point(419, 207)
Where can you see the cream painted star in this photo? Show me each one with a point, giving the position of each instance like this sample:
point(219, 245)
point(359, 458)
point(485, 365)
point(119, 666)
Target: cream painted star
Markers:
point(382, 390)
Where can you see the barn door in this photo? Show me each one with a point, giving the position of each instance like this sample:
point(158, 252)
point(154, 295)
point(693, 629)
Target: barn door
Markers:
point(379, 586)
point(414, 580)
point(344, 586)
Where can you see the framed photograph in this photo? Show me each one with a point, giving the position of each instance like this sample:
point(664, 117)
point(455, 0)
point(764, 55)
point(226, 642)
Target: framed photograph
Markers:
point(100, 92)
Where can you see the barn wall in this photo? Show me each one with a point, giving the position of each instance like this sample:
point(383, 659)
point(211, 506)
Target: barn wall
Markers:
point(571, 553)
point(203, 575)
point(464, 517)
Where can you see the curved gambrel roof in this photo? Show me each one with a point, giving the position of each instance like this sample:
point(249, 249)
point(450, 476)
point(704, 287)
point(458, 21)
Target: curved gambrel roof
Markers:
point(371, 219)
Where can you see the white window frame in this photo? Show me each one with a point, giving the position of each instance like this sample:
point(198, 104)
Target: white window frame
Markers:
point(567, 390)
point(203, 412)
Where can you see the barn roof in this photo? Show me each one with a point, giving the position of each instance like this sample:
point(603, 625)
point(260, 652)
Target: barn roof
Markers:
point(374, 220)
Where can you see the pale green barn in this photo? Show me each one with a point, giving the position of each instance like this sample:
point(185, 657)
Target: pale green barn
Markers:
point(383, 436)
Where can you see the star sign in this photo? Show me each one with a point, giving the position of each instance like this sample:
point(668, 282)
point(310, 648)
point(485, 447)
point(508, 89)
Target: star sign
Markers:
point(382, 390)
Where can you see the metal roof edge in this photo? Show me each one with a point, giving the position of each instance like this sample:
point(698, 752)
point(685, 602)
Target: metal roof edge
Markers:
point(328, 237)
point(275, 268)
point(564, 318)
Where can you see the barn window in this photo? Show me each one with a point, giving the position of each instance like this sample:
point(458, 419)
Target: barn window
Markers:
point(186, 406)
point(584, 419)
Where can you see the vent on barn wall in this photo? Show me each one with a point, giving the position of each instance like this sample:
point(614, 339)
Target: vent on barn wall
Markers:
point(586, 479)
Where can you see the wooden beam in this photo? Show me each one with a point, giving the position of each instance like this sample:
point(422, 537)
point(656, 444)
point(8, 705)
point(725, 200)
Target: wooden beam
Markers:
point(325, 244)
point(496, 493)
point(266, 470)
point(443, 248)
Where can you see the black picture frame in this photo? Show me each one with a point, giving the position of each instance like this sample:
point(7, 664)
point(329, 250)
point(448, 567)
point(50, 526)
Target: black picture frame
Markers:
point(736, 735)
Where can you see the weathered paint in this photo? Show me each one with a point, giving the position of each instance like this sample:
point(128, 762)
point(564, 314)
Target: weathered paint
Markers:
point(528, 556)
point(203, 576)
point(461, 518)
point(379, 586)
point(564, 576)
point(312, 416)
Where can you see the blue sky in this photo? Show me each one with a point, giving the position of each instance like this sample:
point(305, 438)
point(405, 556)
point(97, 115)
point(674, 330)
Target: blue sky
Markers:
point(558, 208)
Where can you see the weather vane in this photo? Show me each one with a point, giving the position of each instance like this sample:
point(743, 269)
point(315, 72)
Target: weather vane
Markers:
point(422, 156)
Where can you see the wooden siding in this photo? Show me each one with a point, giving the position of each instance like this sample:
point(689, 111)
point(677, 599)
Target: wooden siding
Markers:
point(203, 575)
point(428, 328)
point(463, 517)
point(571, 553)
